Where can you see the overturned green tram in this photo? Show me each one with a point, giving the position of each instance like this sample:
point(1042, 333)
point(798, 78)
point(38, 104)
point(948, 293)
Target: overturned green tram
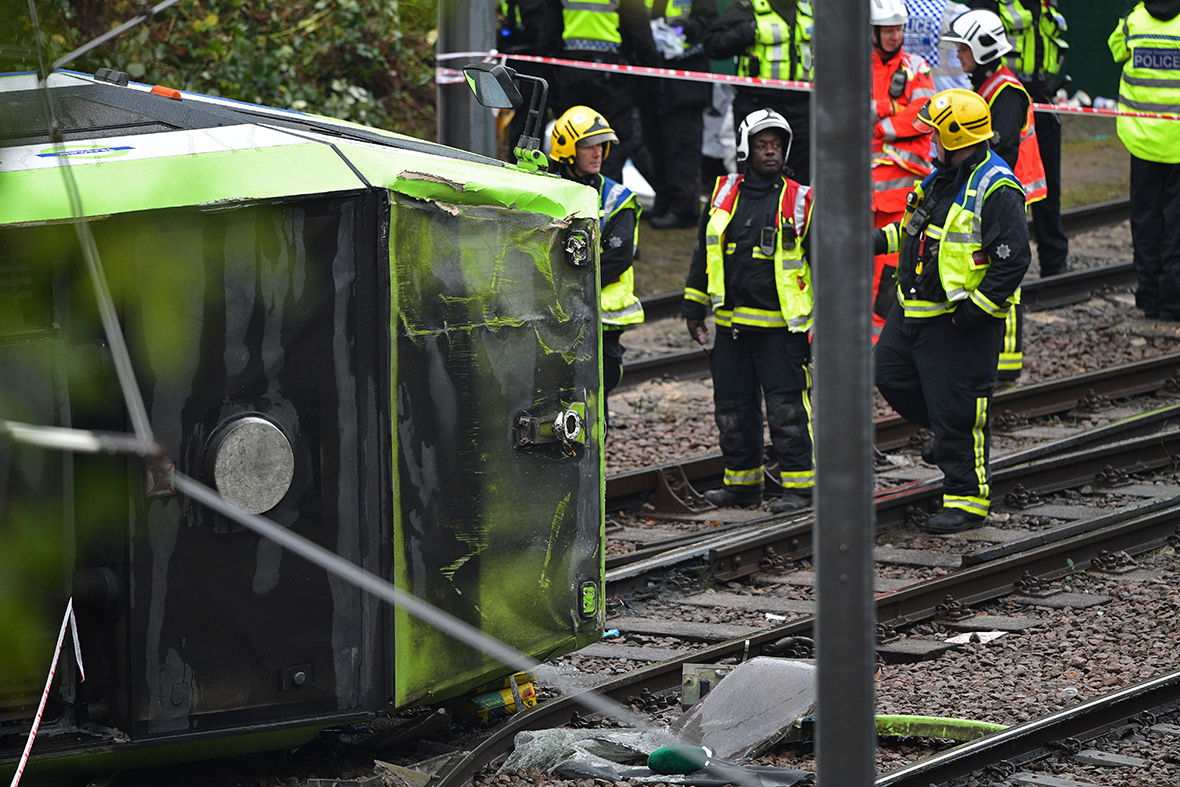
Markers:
point(385, 345)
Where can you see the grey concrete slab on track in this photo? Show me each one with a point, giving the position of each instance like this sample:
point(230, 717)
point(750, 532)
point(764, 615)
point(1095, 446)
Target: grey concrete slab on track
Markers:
point(642, 535)
point(996, 535)
point(1045, 780)
point(907, 651)
point(752, 603)
point(991, 623)
point(708, 632)
point(1108, 760)
point(1063, 600)
point(605, 650)
point(916, 557)
point(806, 579)
point(1059, 511)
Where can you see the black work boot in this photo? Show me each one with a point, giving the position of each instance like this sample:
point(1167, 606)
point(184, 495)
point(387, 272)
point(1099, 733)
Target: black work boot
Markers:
point(735, 496)
point(930, 452)
point(790, 501)
point(953, 520)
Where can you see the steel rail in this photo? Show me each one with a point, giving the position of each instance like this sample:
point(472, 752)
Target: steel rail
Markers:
point(1084, 721)
point(1027, 401)
point(1134, 531)
point(631, 571)
point(744, 555)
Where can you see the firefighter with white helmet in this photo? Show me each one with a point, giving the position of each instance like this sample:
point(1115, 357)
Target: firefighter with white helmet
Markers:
point(901, 86)
point(1036, 32)
point(963, 246)
point(982, 42)
point(581, 139)
point(750, 266)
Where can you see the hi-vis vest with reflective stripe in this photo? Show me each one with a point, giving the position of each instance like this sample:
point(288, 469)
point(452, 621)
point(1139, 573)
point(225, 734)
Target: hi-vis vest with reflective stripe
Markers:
point(618, 302)
point(1027, 35)
point(1030, 170)
point(780, 50)
point(1150, 83)
point(962, 263)
point(591, 25)
point(901, 156)
point(792, 274)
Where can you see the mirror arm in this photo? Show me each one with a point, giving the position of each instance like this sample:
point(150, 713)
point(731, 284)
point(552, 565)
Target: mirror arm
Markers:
point(528, 149)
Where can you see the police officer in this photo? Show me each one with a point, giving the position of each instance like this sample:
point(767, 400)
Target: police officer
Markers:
point(600, 31)
point(750, 265)
point(673, 111)
point(1037, 30)
point(580, 141)
point(901, 150)
point(981, 43)
point(923, 37)
point(520, 34)
point(963, 251)
point(1147, 43)
point(771, 39)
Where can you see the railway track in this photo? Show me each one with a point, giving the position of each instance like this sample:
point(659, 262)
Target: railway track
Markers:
point(671, 485)
point(1038, 294)
point(1023, 574)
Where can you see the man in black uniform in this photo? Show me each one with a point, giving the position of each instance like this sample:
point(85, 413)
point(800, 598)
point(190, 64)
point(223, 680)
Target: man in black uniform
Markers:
point(600, 32)
point(963, 251)
point(771, 39)
point(672, 111)
point(750, 265)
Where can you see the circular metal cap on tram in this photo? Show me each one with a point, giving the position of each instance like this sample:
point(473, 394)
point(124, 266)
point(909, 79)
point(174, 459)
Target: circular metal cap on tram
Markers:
point(253, 463)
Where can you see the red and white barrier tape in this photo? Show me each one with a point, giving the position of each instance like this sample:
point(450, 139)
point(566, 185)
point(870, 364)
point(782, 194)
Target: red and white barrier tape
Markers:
point(449, 76)
point(61, 635)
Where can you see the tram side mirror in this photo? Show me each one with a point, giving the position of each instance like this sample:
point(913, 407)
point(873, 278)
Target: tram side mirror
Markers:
point(493, 85)
point(496, 86)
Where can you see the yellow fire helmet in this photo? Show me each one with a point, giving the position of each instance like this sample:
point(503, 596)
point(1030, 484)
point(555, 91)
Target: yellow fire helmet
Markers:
point(960, 117)
point(579, 126)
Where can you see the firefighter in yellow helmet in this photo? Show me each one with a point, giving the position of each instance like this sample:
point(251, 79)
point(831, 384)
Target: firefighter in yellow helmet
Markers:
point(581, 139)
point(963, 250)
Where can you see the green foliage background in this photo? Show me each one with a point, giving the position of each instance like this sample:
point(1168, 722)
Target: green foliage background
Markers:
point(369, 61)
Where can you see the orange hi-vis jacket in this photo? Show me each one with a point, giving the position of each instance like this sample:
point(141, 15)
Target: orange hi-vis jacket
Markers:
point(901, 151)
point(1030, 170)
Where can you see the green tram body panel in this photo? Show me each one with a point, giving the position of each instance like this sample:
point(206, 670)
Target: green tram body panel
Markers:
point(393, 308)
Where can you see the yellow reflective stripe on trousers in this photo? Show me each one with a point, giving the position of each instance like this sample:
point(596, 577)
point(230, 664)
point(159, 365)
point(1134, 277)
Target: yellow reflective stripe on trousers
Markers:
point(744, 477)
point(802, 479)
point(978, 445)
point(972, 505)
point(1011, 359)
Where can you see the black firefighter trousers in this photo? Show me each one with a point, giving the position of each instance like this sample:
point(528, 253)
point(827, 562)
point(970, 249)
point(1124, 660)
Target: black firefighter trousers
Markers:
point(941, 378)
point(747, 366)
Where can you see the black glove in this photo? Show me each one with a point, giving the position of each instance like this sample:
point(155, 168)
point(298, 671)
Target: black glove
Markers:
point(880, 242)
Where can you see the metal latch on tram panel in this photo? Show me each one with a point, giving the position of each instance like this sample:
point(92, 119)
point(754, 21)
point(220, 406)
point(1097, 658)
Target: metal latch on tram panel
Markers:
point(567, 427)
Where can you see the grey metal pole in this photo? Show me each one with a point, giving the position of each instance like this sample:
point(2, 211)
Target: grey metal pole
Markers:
point(842, 269)
point(465, 26)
